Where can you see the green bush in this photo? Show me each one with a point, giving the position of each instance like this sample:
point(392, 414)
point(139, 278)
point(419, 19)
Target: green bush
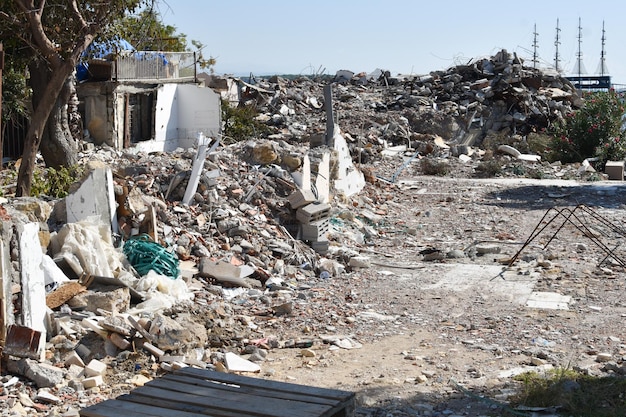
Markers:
point(573, 393)
point(240, 123)
point(596, 130)
point(53, 182)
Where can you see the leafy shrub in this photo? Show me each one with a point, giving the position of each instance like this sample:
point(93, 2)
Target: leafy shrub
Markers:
point(53, 182)
point(240, 123)
point(596, 130)
point(573, 392)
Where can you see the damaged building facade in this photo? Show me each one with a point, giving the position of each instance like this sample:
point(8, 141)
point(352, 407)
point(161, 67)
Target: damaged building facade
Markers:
point(147, 100)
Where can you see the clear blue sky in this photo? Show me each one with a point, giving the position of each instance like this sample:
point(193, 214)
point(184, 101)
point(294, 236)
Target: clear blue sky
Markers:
point(403, 36)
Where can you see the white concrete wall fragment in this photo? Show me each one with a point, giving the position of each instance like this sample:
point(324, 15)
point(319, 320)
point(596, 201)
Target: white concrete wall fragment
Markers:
point(32, 280)
point(183, 111)
point(197, 168)
point(322, 181)
point(350, 180)
point(94, 198)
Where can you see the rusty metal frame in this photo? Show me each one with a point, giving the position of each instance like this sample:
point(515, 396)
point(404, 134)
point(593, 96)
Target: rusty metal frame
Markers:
point(568, 214)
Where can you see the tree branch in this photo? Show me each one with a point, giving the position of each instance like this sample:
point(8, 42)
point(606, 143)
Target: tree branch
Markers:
point(45, 45)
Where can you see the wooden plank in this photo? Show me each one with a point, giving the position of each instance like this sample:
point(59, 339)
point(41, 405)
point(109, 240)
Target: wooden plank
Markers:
point(186, 407)
point(207, 384)
point(220, 400)
point(117, 408)
point(266, 384)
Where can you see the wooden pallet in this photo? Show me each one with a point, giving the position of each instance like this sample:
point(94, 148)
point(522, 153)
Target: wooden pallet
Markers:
point(197, 392)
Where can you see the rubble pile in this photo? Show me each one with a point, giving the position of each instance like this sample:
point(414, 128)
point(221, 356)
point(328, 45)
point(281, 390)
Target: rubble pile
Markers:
point(159, 282)
point(463, 104)
point(157, 261)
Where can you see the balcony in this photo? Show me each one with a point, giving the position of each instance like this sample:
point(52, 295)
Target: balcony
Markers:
point(149, 66)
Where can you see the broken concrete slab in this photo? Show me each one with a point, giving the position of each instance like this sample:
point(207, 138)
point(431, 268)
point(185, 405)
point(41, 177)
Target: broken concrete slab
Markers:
point(33, 309)
point(197, 168)
point(225, 272)
point(349, 180)
point(95, 197)
point(42, 374)
point(113, 299)
point(548, 300)
point(491, 281)
point(170, 334)
point(322, 179)
point(235, 363)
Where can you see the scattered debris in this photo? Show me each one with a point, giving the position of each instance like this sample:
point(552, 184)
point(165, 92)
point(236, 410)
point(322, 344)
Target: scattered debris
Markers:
point(217, 256)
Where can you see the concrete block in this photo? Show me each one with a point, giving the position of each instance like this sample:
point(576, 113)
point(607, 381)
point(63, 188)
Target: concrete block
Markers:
point(312, 212)
point(360, 262)
point(95, 367)
point(92, 382)
point(73, 358)
point(615, 170)
point(225, 272)
point(315, 231)
point(321, 246)
point(300, 198)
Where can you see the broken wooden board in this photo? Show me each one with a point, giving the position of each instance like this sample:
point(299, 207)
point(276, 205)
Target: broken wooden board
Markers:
point(199, 392)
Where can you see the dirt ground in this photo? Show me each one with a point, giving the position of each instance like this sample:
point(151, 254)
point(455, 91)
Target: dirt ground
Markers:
point(445, 337)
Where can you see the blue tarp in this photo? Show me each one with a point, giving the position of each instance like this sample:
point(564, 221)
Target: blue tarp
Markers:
point(100, 50)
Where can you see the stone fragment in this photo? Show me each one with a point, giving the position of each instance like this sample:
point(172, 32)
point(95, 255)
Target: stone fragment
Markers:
point(92, 382)
point(45, 396)
point(113, 299)
point(308, 353)
point(235, 363)
point(73, 359)
point(155, 351)
point(360, 262)
point(25, 400)
point(117, 324)
point(487, 248)
point(139, 380)
point(42, 374)
point(172, 334)
point(95, 367)
point(119, 341)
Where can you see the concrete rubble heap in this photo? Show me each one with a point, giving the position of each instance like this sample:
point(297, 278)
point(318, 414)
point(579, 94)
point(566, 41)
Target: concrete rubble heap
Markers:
point(247, 250)
point(463, 105)
point(79, 303)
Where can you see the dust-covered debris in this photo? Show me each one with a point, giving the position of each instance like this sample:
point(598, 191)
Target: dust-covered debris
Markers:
point(255, 274)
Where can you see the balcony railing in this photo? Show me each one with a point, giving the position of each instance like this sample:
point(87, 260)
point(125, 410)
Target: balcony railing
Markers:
point(154, 65)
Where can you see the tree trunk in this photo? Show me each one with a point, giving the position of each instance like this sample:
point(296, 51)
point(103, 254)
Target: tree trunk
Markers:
point(43, 107)
point(58, 147)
